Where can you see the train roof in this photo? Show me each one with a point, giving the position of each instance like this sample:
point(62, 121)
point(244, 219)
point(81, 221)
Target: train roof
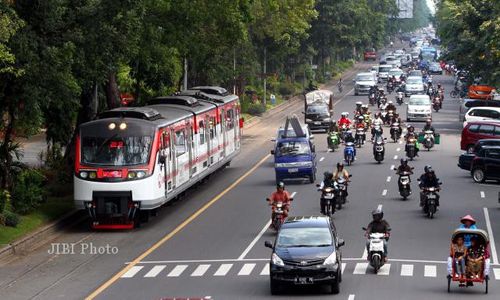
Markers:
point(213, 98)
point(183, 102)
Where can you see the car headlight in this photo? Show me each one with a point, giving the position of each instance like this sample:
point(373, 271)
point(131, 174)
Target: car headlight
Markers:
point(331, 260)
point(309, 120)
point(304, 164)
point(277, 261)
point(279, 165)
point(327, 119)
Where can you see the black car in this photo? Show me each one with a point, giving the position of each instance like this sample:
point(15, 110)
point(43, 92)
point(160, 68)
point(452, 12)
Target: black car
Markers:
point(318, 116)
point(306, 252)
point(465, 160)
point(486, 164)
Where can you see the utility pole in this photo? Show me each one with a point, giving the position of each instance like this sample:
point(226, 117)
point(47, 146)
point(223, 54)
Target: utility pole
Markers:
point(265, 75)
point(185, 83)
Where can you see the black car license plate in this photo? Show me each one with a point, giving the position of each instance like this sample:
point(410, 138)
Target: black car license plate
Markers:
point(304, 280)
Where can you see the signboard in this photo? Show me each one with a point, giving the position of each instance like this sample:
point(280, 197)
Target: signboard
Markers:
point(405, 9)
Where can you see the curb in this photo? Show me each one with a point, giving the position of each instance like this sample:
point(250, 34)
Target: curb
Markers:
point(41, 236)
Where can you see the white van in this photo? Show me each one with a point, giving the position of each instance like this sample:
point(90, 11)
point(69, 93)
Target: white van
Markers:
point(482, 113)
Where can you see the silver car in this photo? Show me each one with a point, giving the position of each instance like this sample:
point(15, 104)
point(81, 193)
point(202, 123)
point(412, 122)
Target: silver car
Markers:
point(414, 86)
point(363, 82)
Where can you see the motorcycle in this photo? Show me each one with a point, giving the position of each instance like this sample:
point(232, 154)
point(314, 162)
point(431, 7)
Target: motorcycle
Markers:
point(343, 132)
point(327, 200)
point(399, 98)
point(388, 117)
point(360, 136)
point(368, 120)
point(390, 87)
point(430, 201)
point(441, 97)
point(428, 139)
point(411, 147)
point(333, 140)
point(395, 132)
point(372, 99)
point(376, 253)
point(378, 149)
point(340, 192)
point(436, 103)
point(278, 216)
point(349, 153)
point(404, 184)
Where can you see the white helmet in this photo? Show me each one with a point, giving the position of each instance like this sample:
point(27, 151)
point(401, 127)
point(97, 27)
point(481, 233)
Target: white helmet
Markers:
point(344, 114)
point(359, 103)
point(390, 102)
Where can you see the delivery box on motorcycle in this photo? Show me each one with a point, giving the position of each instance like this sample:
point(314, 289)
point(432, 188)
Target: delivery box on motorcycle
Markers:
point(437, 138)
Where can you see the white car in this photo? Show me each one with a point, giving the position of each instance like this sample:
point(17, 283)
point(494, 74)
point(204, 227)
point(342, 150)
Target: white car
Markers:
point(419, 108)
point(414, 85)
point(394, 61)
point(363, 82)
point(383, 72)
point(482, 113)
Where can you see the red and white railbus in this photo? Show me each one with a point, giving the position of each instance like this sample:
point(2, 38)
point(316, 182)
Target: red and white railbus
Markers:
point(132, 160)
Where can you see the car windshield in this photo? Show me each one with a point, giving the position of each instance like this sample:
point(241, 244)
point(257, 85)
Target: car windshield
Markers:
point(364, 78)
point(292, 148)
point(414, 81)
point(419, 101)
point(115, 148)
point(385, 69)
point(304, 237)
point(317, 109)
point(396, 73)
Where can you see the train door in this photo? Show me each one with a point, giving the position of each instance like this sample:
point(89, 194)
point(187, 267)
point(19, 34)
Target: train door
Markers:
point(230, 131)
point(181, 155)
point(166, 154)
point(202, 145)
point(223, 130)
point(191, 150)
point(213, 141)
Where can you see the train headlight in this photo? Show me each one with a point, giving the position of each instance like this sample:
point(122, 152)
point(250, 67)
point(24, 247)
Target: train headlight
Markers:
point(123, 126)
point(141, 174)
point(92, 175)
point(131, 175)
point(111, 126)
point(84, 174)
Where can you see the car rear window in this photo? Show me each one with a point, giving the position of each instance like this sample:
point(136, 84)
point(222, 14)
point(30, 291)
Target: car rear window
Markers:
point(474, 128)
point(486, 129)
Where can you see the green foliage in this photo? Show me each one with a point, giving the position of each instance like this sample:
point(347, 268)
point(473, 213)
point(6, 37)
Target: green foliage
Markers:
point(27, 192)
point(10, 219)
point(287, 88)
point(470, 31)
point(4, 199)
point(255, 109)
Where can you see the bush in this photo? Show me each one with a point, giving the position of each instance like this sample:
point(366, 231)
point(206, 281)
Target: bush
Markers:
point(287, 89)
point(256, 109)
point(4, 198)
point(27, 192)
point(11, 219)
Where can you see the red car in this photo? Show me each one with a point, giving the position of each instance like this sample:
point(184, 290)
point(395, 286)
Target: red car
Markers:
point(478, 91)
point(370, 55)
point(475, 131)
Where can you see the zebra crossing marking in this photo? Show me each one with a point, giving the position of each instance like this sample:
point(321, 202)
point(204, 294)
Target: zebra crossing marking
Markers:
point(360, 268)
point(265, 270)
point(200, 270)
point(177, 271)
point(430, 271)
point(246, 269)
point(131, 273)
point(497, 273)
point(384, 270)
point(223, 269)
point(155, 271)
point(406, 270)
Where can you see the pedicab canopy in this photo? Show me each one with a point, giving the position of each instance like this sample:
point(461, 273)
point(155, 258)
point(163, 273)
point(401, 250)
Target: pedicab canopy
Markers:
point(481, 235)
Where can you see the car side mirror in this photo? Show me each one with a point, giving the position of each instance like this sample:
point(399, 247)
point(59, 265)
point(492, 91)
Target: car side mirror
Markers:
point(311, 137)
point(341, 243)
point(350, 175)
point(268, 244)
point(364, 228)
point(418, 179)
point(272, 152)
point(267, 199)
point(162, 159)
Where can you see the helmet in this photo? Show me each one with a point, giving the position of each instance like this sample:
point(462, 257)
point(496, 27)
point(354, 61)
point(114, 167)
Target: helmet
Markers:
point(377, 214)
point(340, 165)
point(280, 185)
point(328, 175)
point(361, 118)
point(364, 106)
point(404, 161)
point(428, 169)
point(344, 114)
point(390, 102)
point(359, 103)
point(428, 121)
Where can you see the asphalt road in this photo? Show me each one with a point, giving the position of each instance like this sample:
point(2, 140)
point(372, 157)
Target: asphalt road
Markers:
point(212, 242)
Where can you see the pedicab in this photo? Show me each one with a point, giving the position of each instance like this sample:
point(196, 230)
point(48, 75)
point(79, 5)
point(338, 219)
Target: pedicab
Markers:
point(482, 241)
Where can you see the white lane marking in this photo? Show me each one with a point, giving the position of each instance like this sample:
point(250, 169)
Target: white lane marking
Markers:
point(384, 192)
point(497, 273)
point(343, 268)
point(292, 196)
point(131, 273)
point(351, 297)
point(177, 271)
point(406, 270)
point(321, 159)
point(395, 157)
point(490, 234)
point(365, 254)
point(398, 149)
point(482, 194)
point(223, 269)
point(360, 268)
point(388, 178)
point(266, 270)
point(429, 271)
point(392, 167)
point(384, 270)
point(200, 270)
point(155, 271)
point(246, 269)
point(256, 239)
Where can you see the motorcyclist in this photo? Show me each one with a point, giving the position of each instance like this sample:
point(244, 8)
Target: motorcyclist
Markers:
point(358, 110)
point(428, 180)
point(377, 121)
point(373, 89)
point(390, 106)
point(411, 133)
point(403, 167)
point(378, 225)
point(280, 195)
point(327, 182)
point(312, 86)
point(360, 122)
point(428, 126)
point(341, 172)
point(344, 120)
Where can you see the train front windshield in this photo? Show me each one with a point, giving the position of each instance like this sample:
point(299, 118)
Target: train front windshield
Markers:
point(116, 147)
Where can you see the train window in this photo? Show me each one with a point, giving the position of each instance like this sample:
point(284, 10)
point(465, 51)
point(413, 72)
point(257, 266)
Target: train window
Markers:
point(201, 132)
point(230, 119)
point(180, 142)
point(213, 128)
